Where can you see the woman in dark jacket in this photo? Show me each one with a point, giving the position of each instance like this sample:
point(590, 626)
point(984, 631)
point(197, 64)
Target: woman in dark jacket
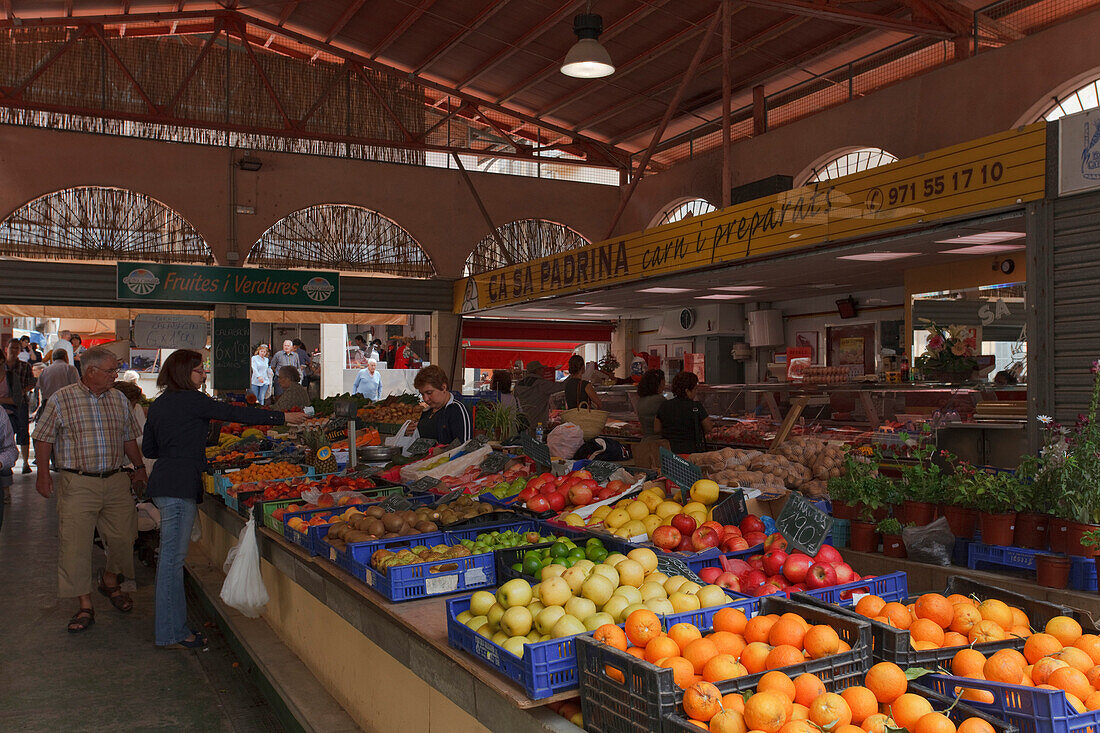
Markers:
point(683, 421)
point(175, 434)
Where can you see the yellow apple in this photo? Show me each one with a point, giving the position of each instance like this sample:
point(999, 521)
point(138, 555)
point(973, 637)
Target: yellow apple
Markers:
point(573, 519)
point(615, 606)
point(634, 528)
point(673, 584)
point(650, 589)
point(694, 506)
point(657, 577)
point(684, 602)
point(711, 595)
point(554, 592)
point(616, 518)
point(630, 593)
point(552, 571)
point(638, 510)
point(608, 572)
point(481, 602)
point(600, 513)
point(614, 559)
point(667, 509)
point(645, 557)
point(547, 617)
point(630, 572)
point(580, 607)
point(660, 606)
point(567, 626)
point(515, 645)
point(651, 499)
point(704, 491)
point(516, 621)
point(597, 620)
point(597, 590)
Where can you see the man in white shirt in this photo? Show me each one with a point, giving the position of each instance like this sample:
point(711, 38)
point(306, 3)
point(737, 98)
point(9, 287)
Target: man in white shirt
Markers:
point(63, 342)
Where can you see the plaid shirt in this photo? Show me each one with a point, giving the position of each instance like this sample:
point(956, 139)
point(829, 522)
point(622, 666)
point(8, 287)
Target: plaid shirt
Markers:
point(23, 371)
point(87, 431)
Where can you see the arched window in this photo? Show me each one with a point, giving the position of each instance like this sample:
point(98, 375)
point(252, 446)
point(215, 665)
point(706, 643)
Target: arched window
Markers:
point(95, 223)
point(851, 161)
point(341, 237)
point(1080, 99)
point(524, 240)
point(683, 209)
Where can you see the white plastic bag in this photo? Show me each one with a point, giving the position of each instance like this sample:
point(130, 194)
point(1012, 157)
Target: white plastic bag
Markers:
point(244, 588)
point(312, 496)
point(565, 440)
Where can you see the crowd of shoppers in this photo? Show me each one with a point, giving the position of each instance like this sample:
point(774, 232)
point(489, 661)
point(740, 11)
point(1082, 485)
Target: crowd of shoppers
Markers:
point(267, 369)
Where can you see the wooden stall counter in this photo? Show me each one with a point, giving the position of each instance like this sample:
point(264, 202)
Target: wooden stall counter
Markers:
point(388, 664)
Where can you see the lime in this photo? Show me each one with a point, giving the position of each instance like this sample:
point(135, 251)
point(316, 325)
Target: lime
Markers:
point(568, 561)
point(531, 566)
point(577, 553)
point(597, 554)
point(593, 541)
point(518, 567)
point(559, 549)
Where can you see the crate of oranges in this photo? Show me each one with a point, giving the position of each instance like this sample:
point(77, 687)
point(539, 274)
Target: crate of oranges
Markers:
point(884, 699)
point(634, 679)
point(927, 630)
point(1049, 686)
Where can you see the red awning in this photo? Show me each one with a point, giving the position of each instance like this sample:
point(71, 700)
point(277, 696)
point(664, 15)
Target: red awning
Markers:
point(580, 331)
point(484, 354)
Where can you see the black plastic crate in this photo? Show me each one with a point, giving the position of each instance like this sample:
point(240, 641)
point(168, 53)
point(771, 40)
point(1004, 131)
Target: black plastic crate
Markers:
point(889, 644)
point(648, 695)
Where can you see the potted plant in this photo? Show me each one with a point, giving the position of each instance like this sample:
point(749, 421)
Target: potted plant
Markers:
point(923, 485)
point(1032, 519)
point(949, 355)
point(1052, 571)
point(1092, 539)
point(995, 495)
point(499, 422)
point(959, 502)
point(862, 488)
point(892, 544)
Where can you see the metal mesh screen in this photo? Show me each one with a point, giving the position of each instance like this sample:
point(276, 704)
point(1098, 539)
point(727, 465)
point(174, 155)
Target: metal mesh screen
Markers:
point(524, 240)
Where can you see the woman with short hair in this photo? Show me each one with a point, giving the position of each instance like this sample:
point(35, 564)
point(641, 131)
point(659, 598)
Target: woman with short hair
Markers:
point(445, 418)
point(683, 421)
point(175, 434)
point(261, 372)
point(579, 391)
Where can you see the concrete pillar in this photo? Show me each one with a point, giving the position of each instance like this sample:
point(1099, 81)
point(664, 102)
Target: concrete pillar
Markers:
point(334, 345)
point(445, 353)
point(230, 310)
point(624, 339)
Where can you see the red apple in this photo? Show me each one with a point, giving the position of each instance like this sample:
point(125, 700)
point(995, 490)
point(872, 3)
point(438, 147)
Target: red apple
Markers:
point(685, 544)
point(666, 537)
point(728, 580)
point(716, 526)
point(730, 531)
point(734, 544)
point(684, 523)
point(775, 541)
point(737, 566)
point(606, 493)
point(773, 561)
point(704, 538)
point(845, 573)
point(580, 495)
point(754, 538)
point(710, 575)
point(548, 488)
point(556, 501)
point(756, 562)
point(820, 576)
point(828, 554)
point(526, 494)
point(751, 523)
point(753, 578)
point(538, 504)
point(796, 567)
point(582, 474)
point(766, 589)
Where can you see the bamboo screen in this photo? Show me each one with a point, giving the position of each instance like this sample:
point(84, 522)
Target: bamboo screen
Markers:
point(524, 240)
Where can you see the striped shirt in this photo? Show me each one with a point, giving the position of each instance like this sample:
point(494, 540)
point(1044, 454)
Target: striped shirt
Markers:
point(87, 431)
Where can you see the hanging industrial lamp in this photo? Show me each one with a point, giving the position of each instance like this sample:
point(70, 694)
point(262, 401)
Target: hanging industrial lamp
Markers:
point(587, 59)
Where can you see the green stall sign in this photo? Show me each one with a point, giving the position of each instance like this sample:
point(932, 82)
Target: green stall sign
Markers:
point(144, 281)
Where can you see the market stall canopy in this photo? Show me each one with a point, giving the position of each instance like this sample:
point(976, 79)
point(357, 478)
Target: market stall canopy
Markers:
point(487, 354)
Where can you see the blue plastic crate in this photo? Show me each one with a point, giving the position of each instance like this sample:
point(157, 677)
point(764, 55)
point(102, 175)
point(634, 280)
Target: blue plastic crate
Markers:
point(892, 587)
point(469, 533)
point(841, 532)
point(1018, 558)
point(961, 553)
point(1029, 709)
point(306, 539)
point(1082, 574)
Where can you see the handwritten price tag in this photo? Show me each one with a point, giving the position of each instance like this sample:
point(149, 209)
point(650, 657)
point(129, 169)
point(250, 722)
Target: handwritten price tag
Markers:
point(803, 525)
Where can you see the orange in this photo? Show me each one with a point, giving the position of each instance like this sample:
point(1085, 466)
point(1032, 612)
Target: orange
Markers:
point(887, 681)
point(702, 701)
point(777, 682)
point(787, 631)
point(935, 608)
point(1076, 658)
point(926, 629)
point(1011, 654)
point(821, 641)
point(923, 645)
point(683, 634)
point(898, 614)
point(1041, 670)
point(766, 711)
point(782, 656)
point(908, 709)
point(972, 693)
point(965, 616)
point(1072, 681)
point(807, 687)
point(1020, 632)
point(953, 638)
point(636, 651)
point(660, 648)
point(1019, 618)
point(830, 712)
point(997, 612)
point(682, 671)
point(986, 630)
point(869, 606)
point(975, 725)
point(1075, 702)
point(1003, 669)
point(884, 620)
point(734, 701)
point(728, 642)
point(1092, 702)
point(798, 726)
point(758, 627)
point(849, 729)
point(1040, 645)
point(1089, 644)
point(755, 657)
point(798, 619)
point(799, 712)
point(723, 667)
point(1064, 629)
point(732, 620)
point(611, 635)
point(1094, 675)
point(934, 723)
point(875, 724)
point(728, 721)
point(957, 598)
point(861, 701)
point(642, 627)
point(699, 652)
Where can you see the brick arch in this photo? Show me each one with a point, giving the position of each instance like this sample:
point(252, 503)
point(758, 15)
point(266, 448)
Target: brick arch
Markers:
point(524, 240)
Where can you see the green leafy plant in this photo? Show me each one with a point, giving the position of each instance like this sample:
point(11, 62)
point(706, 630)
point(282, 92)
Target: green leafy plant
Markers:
point(889, 526)
point(996, 493)
point(1091, 538)
point(860, 485)
point(499, 422)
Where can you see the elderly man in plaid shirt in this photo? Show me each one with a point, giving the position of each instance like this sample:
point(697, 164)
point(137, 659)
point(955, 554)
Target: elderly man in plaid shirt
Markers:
point(91, 430)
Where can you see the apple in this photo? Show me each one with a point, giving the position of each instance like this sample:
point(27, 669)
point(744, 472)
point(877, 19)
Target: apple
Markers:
point(526, 494)
point(705, 538)
point(685, 544)
point(716, 526)
point(796, 567)
point(828, 554)
point(580, 495)
point(775, 541)
point(538, 504)
point(711, 595)
point(709, 575)
point(582, 474)
point(684, 523)
point(845, 573)
point(728, 580)
point(581, 607)
point(734, 544)
point(516, 592)
point(567, 626)
point(547, 617)
point(753, 578)
point(481, 602)
point(820, 576)
point(516, 621)
point(731, 531)
point(666, 537)
point(751, 523)
point(773, 561)
point(704, 491)
point(548, 488)
point(606, 493)
point(556, 501)
point(756, 562)
point(737, 566)
point(597, 589)
point(754, 538)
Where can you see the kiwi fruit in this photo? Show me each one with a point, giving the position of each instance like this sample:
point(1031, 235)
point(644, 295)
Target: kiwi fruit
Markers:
point(376, 527)
point(393, 523)
point(375, 511)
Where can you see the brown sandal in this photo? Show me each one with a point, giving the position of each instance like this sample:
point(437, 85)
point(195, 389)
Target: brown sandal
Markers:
point(114, 594)
point(82, 620)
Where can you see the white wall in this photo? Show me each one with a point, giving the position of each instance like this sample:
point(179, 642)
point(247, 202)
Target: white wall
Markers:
point(817, 313)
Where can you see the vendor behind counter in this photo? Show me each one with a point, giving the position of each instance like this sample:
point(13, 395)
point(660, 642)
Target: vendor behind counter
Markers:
point(446, 418)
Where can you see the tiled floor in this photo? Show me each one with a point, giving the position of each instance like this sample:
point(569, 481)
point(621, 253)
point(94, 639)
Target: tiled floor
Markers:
point(111, 677)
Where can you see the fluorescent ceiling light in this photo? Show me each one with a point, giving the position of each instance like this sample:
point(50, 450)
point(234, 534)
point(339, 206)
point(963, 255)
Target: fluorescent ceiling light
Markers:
point(878, 256)
point(720, 297)
point(738, 288)
point(983, 249)
point(665, 290)
point(599, 308)
point(538, 310)
point(983, 238)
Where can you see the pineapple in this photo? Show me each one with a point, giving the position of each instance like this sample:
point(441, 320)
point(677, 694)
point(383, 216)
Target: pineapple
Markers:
point(312, 440)
point(326, 464)
point(317, 447)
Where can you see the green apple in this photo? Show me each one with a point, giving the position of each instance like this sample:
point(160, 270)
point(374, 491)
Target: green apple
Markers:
point(515, 645)
point(630, 593)
point(516, 592)
point(660, 606)
point(516, 621)
point(597, 620)
point(579, 607)
point(495, 612)
point(464, 617)
point(597, 589)
point(552, 571)
point(480, 602)
point(712, 595)
point(608, 572)
point(567, 626)
point(554, 592)
point(547, 617)
point(615, 606)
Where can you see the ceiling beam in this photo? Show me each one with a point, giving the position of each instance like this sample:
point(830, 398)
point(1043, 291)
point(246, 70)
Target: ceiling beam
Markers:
point(288, 8)
point(349, 13)
point(494, 7)
point(400, 28)
point(854, 17)
point(512, 47)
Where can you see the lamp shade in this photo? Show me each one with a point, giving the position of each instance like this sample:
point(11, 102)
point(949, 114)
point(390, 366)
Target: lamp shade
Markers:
point(587, 60)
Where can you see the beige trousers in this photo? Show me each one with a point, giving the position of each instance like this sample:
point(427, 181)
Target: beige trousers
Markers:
point(83, 504)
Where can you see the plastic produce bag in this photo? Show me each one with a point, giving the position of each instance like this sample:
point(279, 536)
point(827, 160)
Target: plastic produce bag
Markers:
point(244, 588)
point(565, 440)
point(933, 543)
point(312, 496)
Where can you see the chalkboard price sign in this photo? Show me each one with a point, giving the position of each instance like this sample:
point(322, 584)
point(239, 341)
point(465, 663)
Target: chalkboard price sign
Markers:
point(494, 463)
point(671, 566)
point(682, 473)
point(538, 452)
point(602, 470)
point(420, 447)
point(395, 503)
point(803, 525)
point(421, 485)
point(231, 352)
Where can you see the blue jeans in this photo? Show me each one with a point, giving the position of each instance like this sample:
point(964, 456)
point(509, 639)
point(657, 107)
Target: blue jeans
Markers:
point(176, 518)
point(259, 390)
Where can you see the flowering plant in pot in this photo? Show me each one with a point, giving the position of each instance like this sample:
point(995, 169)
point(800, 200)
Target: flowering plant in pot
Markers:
point(950, 354)
point(892, 544)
